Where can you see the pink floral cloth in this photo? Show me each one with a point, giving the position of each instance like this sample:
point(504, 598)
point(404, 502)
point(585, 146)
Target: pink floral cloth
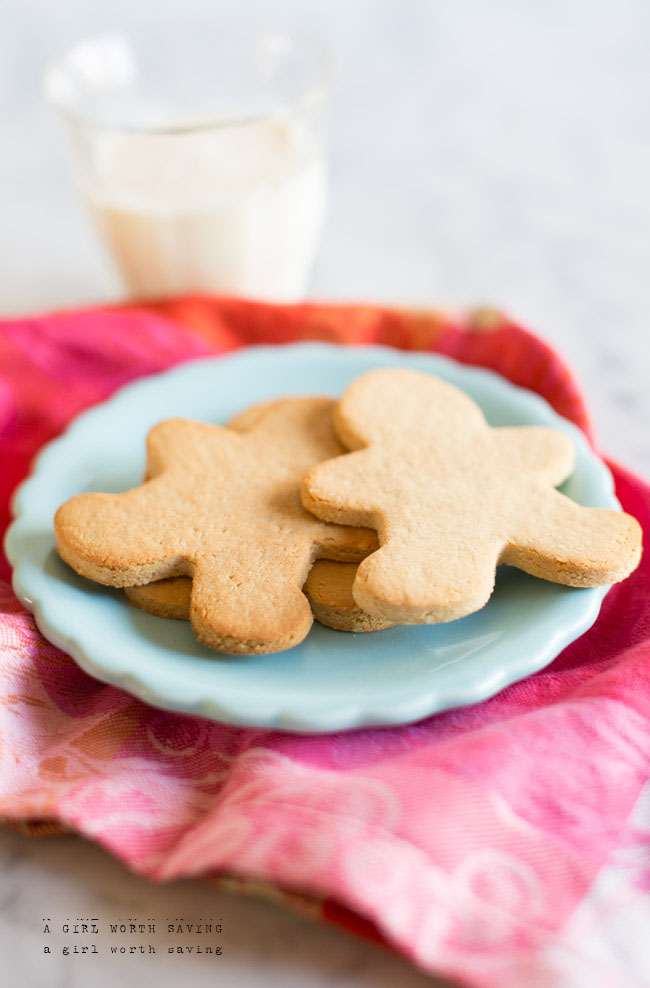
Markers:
point(503, 844)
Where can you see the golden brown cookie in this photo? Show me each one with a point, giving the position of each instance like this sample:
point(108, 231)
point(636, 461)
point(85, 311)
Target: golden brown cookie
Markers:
point(328, 589)
point(221, 505)
point(451, 498)
point(168, 598)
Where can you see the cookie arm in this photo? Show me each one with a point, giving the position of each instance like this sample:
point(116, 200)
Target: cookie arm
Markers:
point(119, 540)
point(545, 452)
point(344, 544)
point(336, 490)
point(564, 542)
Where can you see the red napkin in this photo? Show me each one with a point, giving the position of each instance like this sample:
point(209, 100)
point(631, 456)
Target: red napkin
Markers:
point(501, 844)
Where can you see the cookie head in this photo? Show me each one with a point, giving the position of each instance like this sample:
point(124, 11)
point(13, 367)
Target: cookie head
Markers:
point(377, 404)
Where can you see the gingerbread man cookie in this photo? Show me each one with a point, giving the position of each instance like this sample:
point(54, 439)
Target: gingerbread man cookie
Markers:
point(221, 505)
point(328, 589)
point(451, 498)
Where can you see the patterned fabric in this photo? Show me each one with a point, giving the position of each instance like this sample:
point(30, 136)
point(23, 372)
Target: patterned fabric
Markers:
point(502, 844)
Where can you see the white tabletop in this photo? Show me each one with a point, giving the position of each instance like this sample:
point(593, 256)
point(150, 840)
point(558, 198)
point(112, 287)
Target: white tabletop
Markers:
point(483, 153)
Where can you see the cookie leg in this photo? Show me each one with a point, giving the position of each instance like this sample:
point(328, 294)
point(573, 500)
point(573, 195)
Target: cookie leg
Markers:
point(437, 583)
point(164, 598)
point(564, 542)
point(231, 611)
point(329, 591)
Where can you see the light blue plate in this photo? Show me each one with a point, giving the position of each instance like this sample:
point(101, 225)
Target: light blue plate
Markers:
point(334, 680)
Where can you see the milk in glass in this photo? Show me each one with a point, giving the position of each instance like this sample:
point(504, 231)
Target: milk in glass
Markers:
point(235, 209)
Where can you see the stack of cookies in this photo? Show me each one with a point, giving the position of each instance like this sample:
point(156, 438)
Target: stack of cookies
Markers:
point(393, 505)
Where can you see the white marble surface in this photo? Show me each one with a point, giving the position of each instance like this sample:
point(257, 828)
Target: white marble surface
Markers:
point(482, 153)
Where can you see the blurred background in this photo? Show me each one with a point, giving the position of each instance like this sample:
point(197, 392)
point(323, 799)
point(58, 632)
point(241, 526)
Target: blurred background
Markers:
point(481, 154)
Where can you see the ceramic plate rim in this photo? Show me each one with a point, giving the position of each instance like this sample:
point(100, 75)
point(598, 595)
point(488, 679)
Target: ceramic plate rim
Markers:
point(89, 654)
